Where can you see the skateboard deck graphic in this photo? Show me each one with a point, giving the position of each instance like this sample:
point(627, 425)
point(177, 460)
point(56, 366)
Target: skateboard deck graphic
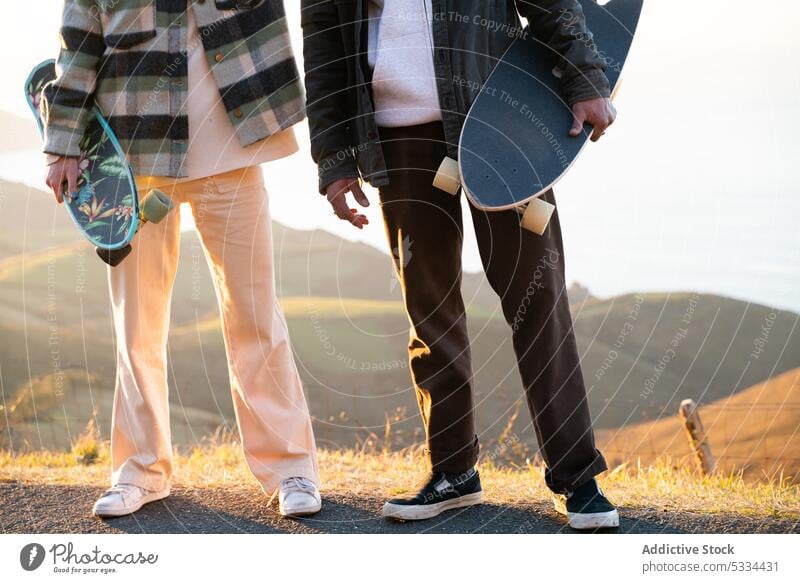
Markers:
point(515, 143)
point(106, 206)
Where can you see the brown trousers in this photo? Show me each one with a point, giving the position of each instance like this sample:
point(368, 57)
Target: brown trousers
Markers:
point(424, 228)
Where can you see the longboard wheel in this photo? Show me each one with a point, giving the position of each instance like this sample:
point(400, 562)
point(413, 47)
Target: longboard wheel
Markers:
point(448, 177)
point(537, 215)
point(114, 257)
point(155, 206)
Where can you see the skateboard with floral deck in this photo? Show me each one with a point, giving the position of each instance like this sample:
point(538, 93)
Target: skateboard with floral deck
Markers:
point(106, 208)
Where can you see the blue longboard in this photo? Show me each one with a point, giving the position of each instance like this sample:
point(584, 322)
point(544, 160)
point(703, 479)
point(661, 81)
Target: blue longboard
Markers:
point(106, 207)
point(515, 143)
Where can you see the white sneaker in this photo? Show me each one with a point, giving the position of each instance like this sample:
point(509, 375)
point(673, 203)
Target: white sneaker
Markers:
point(298, 497)
point(123, 499)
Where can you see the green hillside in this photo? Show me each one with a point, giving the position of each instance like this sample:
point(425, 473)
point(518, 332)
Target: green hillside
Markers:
point(648, 352)
point(641, 354)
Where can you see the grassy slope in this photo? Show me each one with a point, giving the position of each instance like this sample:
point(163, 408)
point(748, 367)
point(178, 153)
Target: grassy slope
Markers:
point(706, 343)
point(66, 403)
point(54, 312)
point(746, 431)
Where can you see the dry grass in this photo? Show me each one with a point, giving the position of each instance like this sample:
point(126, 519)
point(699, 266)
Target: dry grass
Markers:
point(662, 485)
point(757, 430)
point(86, 449)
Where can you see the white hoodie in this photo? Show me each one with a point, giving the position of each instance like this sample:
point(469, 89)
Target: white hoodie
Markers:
point(401, 56)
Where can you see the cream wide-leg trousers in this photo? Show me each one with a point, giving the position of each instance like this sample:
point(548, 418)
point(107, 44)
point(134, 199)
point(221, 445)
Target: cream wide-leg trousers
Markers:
point(231, 212)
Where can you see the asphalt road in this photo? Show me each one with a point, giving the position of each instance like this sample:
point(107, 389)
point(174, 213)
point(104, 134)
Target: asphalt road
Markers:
point(35, 508)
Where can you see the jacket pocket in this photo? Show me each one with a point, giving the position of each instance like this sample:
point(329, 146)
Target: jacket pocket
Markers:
point(126, 23)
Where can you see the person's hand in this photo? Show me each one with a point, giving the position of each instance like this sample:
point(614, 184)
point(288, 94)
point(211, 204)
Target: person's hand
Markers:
point(65, 169)
point(599, 113)
point(336, 193)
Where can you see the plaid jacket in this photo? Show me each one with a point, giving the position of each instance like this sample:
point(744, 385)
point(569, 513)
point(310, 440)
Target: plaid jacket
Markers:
point(129, 56)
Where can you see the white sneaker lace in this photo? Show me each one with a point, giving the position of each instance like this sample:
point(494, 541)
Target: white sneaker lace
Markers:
point(298, 485)
point(295, 484)
point(123, 490)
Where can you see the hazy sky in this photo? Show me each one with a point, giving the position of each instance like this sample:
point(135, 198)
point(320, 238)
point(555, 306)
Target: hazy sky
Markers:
point(696, 186)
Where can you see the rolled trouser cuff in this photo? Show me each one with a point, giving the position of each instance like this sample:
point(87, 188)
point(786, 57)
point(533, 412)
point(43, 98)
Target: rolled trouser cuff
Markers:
point(568, 483)
point(455, 462)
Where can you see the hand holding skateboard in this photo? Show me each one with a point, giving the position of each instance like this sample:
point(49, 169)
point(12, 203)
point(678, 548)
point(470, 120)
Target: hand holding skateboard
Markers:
point(63, 172)
point(515, 142)
point(599, 113)
point(102, 198)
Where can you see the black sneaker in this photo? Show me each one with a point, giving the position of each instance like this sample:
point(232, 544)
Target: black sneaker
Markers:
point(587, 508)
point(441, 492)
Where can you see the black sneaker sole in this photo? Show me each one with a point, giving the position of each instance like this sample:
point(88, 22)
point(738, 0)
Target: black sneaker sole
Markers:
point(586, 520)
point(425, 511)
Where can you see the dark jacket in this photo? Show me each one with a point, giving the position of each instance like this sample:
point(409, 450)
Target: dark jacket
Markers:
point(469, 37)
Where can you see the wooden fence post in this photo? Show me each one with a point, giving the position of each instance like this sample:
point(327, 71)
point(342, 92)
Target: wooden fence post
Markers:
point(698, 440)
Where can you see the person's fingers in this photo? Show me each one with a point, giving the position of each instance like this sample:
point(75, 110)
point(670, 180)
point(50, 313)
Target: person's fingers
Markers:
point(339, 191)
point(577, 123)
point(58, 188)
point(358, 193)
point(55, 180)
point(340, 209)
point(72, 178)
point(613, 113)
point(336, 194)
point(356, 219)
point(607, 119)
point(598, 129)
point(360, 218)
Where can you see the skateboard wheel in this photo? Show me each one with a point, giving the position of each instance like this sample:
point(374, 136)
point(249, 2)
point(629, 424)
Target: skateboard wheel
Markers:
point(155, 206)
point(448, 177)
point(114, 257)
point(537, 215)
